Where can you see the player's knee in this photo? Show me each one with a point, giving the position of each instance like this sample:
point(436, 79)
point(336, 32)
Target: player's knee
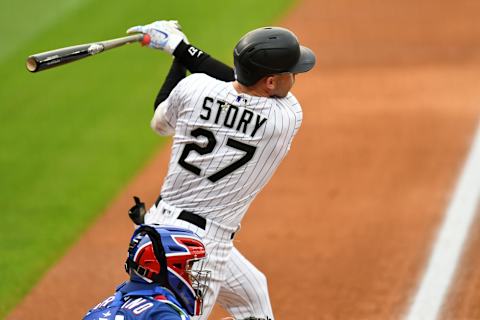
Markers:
point(263, 277)
point(261, 282)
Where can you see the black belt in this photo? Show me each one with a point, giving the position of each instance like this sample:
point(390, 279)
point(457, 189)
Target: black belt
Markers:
point(191, 217)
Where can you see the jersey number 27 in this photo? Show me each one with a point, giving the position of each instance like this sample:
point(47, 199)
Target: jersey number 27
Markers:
point(189, 147)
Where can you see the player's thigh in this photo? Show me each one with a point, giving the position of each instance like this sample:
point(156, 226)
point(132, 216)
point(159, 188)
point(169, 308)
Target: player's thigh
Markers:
point(218, 254)
point(244, 292)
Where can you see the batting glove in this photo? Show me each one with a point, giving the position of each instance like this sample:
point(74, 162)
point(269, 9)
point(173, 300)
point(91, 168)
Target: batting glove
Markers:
point(163, 35)
point(137, 212)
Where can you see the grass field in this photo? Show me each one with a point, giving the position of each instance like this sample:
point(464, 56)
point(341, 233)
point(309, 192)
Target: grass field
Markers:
point(71, 137)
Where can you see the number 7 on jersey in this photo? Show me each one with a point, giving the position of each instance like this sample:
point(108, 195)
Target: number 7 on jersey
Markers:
point(189, 147)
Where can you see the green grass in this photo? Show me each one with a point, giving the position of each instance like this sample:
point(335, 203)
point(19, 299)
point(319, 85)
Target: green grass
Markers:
point(73, 136)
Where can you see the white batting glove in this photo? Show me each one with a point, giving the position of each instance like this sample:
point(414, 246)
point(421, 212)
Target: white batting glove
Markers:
point(163, 35)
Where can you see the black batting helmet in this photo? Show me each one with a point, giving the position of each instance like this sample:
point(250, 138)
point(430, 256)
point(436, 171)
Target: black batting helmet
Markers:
point(267, 51)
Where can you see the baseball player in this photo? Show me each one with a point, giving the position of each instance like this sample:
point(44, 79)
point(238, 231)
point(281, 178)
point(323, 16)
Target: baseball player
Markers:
point(164, 280)
point(231, 129)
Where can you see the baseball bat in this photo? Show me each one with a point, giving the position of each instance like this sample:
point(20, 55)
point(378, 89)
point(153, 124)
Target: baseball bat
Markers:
point(58, 57)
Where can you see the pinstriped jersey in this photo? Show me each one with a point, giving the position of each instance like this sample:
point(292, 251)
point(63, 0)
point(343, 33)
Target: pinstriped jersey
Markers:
point(226, 145)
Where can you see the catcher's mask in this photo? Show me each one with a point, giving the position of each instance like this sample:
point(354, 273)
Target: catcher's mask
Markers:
point(267, 51)
point(172, 257)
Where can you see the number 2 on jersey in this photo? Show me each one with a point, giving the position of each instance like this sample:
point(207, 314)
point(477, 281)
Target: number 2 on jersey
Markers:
point(189, 147)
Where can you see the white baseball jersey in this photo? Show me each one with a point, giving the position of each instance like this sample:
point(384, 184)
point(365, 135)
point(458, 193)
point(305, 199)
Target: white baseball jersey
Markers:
point(226, 145)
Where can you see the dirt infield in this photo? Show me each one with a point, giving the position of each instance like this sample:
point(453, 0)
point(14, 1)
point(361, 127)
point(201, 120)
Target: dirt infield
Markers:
point(349, 218)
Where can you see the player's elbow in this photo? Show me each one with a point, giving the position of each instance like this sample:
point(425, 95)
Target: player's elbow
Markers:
point(160, 123)
point(161, 128)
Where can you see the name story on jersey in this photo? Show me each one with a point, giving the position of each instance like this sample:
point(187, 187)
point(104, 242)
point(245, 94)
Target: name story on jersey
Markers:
point(238, 118)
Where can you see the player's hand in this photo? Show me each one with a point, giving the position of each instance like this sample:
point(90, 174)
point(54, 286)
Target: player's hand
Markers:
point(163, 35)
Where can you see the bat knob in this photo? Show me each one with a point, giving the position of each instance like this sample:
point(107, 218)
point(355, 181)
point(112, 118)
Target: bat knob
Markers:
point(146, 40)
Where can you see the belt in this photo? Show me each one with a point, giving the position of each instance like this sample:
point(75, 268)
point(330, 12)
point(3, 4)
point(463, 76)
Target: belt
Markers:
point(191, 217)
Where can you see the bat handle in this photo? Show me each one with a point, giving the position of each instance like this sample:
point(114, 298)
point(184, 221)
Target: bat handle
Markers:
point(109, 44)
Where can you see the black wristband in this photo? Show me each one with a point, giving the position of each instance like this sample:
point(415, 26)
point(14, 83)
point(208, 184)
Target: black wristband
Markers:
point(189, 55)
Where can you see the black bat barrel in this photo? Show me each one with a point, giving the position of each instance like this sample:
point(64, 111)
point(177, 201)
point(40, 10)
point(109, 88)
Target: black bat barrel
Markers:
point(58, 57)
point(54, 58)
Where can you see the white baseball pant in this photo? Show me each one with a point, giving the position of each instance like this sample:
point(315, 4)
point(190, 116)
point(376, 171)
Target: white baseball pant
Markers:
point(236, 284)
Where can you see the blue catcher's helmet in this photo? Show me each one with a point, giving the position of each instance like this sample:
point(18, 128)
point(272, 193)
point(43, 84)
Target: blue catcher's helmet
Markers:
point(171, 257)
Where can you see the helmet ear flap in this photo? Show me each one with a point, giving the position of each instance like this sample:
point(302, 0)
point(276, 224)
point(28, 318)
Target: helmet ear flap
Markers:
point(166, 258)
point(158, 250)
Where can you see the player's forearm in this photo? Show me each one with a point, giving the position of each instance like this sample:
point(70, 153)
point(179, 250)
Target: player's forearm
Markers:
point(175, 75)
point(197, 61)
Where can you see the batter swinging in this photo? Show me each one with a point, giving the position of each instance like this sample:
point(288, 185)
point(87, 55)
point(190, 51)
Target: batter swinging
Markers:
point(231, 129)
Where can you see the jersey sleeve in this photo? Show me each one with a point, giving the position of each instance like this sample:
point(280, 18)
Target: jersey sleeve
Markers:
point(160, 123)
point(166, 114)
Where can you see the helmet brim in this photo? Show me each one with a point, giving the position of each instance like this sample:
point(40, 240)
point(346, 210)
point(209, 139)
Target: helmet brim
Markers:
point(306, 61)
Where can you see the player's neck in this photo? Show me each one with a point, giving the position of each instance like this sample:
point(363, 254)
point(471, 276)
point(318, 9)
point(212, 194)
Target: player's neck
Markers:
point(256, 91)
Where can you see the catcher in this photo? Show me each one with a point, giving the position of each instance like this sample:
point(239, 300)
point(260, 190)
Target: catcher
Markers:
point(167, 279)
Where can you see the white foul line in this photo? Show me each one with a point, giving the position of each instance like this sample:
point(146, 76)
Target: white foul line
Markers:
point(450, 239)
